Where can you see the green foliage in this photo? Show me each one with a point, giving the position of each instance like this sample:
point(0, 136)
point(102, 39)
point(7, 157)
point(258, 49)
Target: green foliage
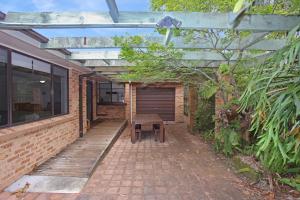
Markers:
point(284, 7)
point(293, 182)
point(227, 141)
point(208, 135)
point(273, 93)
point(156, 63)
point(278, 7)
point(204, 115)
point(248, 150)
point(238, 6)
point(224, 69)
point(242, 76)
point(208, 89)
point(193, 5)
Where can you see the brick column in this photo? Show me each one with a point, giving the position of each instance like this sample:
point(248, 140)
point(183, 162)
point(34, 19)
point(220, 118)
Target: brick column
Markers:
point(84, 108)
point(179, 103)
point(193, 103)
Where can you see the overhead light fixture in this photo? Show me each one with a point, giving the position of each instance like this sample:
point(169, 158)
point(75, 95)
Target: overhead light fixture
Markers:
point(168, 22)
point(42, 81)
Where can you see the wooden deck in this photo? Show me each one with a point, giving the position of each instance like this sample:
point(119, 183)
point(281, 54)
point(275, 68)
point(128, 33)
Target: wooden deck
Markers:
point(81, 157)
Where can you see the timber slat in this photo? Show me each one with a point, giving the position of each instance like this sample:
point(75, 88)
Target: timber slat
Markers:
point(80, 158)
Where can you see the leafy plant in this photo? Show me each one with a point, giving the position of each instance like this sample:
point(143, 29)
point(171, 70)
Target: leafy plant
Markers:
point(227, 141)
point(293, 182)
point(208, 135)
point(204, 115)
point(274, 96)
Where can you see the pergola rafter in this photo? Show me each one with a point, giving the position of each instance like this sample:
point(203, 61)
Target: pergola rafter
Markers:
point(109, 62)
point(190, 20)
point(187, 55)
point(252, 39)
point(122, 64)
point(113, 10)
point(251, 43)
point(100, 63)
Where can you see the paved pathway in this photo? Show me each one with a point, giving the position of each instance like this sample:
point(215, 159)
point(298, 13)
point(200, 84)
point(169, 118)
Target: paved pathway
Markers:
point(181, 168)
point(68, 171)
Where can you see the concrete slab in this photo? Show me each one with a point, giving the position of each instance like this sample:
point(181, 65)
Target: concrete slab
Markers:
point(49, 184)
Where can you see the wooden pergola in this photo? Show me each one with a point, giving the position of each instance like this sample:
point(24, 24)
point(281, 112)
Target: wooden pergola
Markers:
point(108, 62)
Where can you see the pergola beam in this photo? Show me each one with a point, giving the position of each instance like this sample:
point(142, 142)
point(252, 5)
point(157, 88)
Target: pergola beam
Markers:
point(115, 55)
point(123, 65)
point(106, 61)
point(252, 39)
point(179, 43)
point(110, 69)
point(190, 20)
point(110, 73)
point(236, 17)
point(113, 10)
point(112, 63)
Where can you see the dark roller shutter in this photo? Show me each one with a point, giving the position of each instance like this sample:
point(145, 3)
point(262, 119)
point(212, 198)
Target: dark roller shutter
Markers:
point(156, 101)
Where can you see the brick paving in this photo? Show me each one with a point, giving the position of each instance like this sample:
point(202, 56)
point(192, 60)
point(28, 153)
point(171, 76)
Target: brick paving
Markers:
point(183, 167)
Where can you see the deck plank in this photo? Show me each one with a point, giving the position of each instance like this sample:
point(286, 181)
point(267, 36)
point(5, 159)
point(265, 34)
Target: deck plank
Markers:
point(80, 158)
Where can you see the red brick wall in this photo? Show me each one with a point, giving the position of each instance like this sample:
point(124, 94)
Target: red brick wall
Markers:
point(84, 113)
point(25, 146)
point(95, 100)
point(192, 102)
point(178, 99)
point(111, 111)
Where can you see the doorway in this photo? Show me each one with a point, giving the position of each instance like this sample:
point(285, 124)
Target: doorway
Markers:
point(89, 101)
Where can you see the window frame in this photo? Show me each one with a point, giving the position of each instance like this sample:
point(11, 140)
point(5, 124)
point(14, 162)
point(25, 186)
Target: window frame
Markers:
point(7, 87)
point(10, 92)
point(52, 90)
point(111, 89)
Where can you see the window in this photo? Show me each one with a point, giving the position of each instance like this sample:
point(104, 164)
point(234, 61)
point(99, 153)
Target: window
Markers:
point(3, 88)
point(37, 89)
point(110, 93)
point(60, 83)
point(31, 96)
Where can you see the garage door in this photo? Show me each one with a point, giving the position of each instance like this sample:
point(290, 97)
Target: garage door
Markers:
point(156, 101)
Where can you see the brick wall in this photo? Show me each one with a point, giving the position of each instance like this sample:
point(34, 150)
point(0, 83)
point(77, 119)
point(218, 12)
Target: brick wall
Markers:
point(111, 111)
point(84, 113)
point(179, 103)
point(95, 100)
point(26, 146)
point(178, 99)
point(219, 103)
point(192, 102)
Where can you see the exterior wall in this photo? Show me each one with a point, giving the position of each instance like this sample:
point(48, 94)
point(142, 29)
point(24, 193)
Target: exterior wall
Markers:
point(127, 101)
point(219, 103)
point(179, 103)
point(84, 111)
point(179, 117)
point(111, 111)
point(95, 100)
point(24, 147)
point(192, 108)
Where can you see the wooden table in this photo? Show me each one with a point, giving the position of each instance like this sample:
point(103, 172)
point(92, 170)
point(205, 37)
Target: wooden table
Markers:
point(146, 120)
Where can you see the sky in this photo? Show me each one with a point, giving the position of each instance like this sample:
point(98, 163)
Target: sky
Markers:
point(79, 5)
